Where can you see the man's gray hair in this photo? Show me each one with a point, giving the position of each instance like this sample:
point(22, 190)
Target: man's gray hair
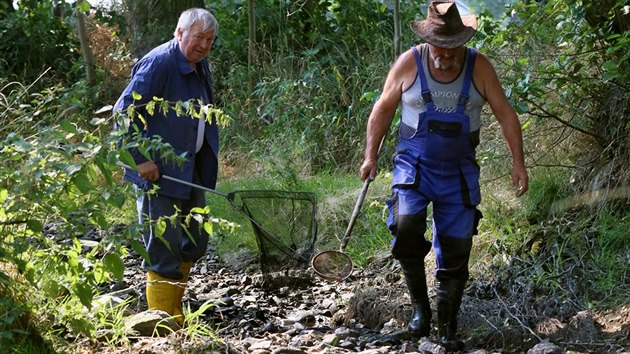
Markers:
point(193, 15)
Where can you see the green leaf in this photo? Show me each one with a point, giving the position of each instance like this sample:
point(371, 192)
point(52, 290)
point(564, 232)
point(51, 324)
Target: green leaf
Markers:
point(164, 107)
point(160, 227)
point(150, 108)
point(180, 109)
point(82, 182)
point(104, 109)
point(521, 107)
point(117, 200)
point(83, 6)
point(83, 290)
point(100, 220)
point(35, 225)
point(4, 195)
point(139, 248)
point(114, 264)
point(126, 158)
point(198, 210)
point(136, 96)
point(207, 226)
point(100, 274)
point(69, 127)
point(97, 121)
point(609, 65)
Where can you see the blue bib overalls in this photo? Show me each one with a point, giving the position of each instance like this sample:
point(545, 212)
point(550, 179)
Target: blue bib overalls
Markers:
point(436, 164)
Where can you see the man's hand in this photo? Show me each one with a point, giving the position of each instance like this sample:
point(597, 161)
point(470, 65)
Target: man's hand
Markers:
point(149, 171)
point(520, 180)
point(368, 170)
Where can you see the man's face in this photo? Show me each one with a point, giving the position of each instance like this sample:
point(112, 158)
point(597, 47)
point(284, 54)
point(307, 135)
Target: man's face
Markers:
point(445, 59)
point(195, 44)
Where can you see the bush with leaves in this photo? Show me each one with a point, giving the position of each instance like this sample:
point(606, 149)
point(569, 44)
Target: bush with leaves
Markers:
point(317, 73)
point(566, 80)
point(59, 192)
point(34, 39)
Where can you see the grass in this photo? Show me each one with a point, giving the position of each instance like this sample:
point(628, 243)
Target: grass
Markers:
point(611, 252)
point(337, 195)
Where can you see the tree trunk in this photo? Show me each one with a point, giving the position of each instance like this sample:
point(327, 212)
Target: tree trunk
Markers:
point(397, 29)
point(85, 45)
point(251, 57)
point(152, 22)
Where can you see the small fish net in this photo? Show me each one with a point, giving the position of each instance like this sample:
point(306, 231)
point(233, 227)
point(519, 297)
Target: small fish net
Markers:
point(285, 226)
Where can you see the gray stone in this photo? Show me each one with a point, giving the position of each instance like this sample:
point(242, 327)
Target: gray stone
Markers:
point(151, 322)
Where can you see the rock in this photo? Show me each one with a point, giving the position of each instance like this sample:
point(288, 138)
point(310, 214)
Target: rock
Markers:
point(431, 348)
point(584, 326)
point(261, 344)
point(287, 350)
point(151, 322)
point(317, 318)
point(331, 339)
point(345, 332)
point(305, 317)
point(545, 347)
point(109, 302)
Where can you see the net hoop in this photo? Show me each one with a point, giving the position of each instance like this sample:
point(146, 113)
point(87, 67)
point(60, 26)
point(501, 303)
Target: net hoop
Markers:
point(332, 265)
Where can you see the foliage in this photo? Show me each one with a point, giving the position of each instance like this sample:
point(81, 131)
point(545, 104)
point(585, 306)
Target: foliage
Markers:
point(32, 41)
point(318, 72)
point(326, 73)
point(52, 179)
point(562, 75)
point(59, 191)
point(151, 24)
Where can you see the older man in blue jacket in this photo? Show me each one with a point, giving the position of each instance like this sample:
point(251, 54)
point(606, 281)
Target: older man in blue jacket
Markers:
point(174, 71)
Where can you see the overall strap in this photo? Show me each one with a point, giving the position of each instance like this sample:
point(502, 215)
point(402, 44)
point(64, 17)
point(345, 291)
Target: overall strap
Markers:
point(424, 87)
point(468, 75)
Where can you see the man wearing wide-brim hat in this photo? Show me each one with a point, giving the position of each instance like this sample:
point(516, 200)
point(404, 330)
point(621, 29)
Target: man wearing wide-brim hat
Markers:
point(441, 86)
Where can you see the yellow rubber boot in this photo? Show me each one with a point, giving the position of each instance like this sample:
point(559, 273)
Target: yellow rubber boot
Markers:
point(160, 292)
point(178, 312)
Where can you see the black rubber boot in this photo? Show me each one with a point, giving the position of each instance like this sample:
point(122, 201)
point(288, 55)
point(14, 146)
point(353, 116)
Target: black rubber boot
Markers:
point(449, 299)
point(420, 321)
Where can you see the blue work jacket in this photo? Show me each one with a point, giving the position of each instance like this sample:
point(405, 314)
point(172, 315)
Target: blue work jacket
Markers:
point(165, 73)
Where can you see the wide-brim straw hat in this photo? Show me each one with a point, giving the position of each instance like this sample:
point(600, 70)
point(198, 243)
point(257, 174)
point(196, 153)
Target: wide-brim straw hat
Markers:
point(444, 27)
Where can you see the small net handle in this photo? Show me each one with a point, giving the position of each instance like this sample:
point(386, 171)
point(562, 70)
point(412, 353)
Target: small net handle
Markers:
point(355, 214)
point(357, 206)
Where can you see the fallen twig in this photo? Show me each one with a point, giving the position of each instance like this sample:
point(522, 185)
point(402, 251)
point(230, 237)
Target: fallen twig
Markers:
point(513, 316)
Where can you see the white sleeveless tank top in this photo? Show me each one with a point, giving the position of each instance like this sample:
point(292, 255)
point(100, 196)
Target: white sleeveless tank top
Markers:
point(445, 96)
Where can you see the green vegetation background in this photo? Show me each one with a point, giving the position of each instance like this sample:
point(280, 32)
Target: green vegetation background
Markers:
point(295, 120)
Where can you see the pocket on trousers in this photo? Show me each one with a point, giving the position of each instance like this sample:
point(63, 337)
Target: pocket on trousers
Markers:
point(471, 193)
point(405, 173)
point(392, 218)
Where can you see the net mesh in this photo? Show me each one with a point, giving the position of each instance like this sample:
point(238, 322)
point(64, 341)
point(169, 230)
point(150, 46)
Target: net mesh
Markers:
point(285, 226)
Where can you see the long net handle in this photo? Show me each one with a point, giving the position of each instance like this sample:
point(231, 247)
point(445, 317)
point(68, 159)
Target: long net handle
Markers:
point(241, 208)
point(177, 180)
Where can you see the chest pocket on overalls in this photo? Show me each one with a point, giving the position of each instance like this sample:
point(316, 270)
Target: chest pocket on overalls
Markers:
point(445, 129)
point(446, 135)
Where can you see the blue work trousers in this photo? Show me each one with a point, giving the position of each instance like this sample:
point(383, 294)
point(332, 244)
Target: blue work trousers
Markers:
point(453, 190)
point(183, 240)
